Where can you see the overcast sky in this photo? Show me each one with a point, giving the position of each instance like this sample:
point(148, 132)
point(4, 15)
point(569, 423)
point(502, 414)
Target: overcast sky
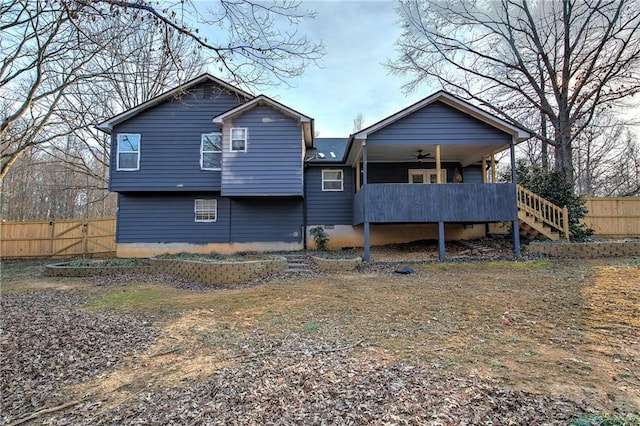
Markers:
point(359, 37)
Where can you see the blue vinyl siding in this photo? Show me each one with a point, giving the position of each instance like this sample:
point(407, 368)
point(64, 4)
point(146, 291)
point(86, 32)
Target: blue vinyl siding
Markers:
point(170, 143)
point(277, 219)
point(438, 123)
point(169, 218)
point(472, 174)
point(399, 172)
point(272, 164)
point(329, 207)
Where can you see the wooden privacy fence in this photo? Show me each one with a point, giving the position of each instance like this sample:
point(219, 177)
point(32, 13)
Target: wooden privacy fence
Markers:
point(614, 217)
point(61, 238)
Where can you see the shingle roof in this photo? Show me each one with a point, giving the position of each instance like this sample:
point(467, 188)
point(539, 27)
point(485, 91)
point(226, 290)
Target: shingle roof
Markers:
point(328, 150)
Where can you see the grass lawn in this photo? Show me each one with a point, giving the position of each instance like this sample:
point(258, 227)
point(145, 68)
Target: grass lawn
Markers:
point(559, 328)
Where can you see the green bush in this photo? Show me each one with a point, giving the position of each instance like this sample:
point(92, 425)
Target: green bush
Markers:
point(553, 187)
point(320, 237)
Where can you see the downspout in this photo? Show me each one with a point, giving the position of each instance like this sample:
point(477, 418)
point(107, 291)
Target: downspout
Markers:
point(304, 206)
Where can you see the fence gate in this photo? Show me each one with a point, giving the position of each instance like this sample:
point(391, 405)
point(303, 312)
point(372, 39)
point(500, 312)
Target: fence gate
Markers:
point(65, 238)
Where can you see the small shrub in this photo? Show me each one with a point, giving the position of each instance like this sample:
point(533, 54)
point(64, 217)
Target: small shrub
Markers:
point(320, 237)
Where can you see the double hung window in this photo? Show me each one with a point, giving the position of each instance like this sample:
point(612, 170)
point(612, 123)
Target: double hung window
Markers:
point(205, 210)
point(128, 152)
point(211, 151)
point(332, 180)
point(238, 140)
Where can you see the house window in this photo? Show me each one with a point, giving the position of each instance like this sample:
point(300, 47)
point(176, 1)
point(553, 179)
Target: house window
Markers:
point(332, 180)
point(211, 151)
point(427, 176)
point(128, 156)
point(206, 210)
point(238, 139)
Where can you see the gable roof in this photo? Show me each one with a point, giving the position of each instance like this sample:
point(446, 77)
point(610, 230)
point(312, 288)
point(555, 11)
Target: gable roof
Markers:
point(305, 121)
point(107, 126)
point(518, 133)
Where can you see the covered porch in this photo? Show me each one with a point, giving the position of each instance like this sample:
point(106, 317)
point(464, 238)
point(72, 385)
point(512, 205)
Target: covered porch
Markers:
point(435, 162)
point(449, 187)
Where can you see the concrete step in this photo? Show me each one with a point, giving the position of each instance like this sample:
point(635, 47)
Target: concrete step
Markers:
point(298, 263)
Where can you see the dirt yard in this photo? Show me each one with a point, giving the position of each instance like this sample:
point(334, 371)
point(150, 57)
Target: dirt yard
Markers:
point(492, 342)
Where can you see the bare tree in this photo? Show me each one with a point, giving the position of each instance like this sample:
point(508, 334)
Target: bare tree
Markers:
point(48, 49)
point(552, 65)
point(358, 122)
point(607, 159)
point(68, 176)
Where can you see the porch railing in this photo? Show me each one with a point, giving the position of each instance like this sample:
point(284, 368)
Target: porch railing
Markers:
point(541, 210)
point(460, 202)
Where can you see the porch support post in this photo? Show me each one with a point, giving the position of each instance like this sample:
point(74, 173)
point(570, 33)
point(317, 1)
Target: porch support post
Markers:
point(367, 239)
point(493, 168)
point(441, 241)
point(367, 255)
point(438, 167)
point(516, 224)
point(484, 170)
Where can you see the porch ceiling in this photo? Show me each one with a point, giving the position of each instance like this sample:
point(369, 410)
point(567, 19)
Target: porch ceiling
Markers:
point(464, 154)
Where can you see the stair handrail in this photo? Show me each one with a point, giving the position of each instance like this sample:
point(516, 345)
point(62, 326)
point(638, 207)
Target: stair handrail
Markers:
point(544, 211)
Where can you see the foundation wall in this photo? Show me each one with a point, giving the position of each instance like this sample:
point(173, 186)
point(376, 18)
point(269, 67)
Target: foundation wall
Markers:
point(129, 250)
point(353, 236)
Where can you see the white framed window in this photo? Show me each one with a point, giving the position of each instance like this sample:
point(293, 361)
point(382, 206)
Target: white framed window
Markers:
point(238, 139)
point(128, 152)
point(211, 151)
point(205, 210)
point(427, 176)
point(332, 180)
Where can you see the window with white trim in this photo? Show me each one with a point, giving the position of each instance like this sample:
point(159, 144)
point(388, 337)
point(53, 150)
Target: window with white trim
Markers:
point(205, 210)
point(238, 139)
point(211, 151)
point(427, 176)
point(332, 180)
point(128, 152)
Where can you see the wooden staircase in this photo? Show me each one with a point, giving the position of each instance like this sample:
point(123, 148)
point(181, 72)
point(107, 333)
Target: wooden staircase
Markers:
point(540, 218)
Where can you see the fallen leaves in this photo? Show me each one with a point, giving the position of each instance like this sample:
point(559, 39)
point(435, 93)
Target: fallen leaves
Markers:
point(47, 343)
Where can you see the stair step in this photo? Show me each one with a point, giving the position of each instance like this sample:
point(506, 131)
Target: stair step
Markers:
point(298, 263)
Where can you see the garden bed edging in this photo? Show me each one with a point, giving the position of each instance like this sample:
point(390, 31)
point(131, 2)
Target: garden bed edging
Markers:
point(337, 265)
point(588, 250)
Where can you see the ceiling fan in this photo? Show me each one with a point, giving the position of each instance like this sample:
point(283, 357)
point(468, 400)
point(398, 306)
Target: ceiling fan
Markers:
point(420, 156)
